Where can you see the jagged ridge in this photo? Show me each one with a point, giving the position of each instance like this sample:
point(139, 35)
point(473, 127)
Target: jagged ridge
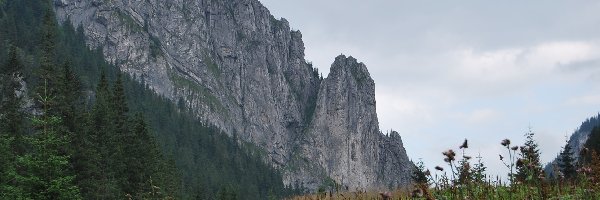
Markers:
point(237, 67)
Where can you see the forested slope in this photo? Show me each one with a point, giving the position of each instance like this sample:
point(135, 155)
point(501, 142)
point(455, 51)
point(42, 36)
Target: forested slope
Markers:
point(73, 126)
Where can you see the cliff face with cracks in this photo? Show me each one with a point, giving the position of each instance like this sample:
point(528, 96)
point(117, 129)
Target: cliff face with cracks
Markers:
point(238, 68)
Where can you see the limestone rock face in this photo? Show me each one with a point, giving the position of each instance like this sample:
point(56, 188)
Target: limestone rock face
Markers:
point(238, 68)
point(344, 135)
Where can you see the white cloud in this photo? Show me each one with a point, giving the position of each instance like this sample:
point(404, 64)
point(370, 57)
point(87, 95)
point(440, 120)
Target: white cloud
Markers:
point(520, 64)
point(486, 115)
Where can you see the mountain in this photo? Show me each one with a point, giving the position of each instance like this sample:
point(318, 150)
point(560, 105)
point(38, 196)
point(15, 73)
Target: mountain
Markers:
point(241, 70)
point(581, 135)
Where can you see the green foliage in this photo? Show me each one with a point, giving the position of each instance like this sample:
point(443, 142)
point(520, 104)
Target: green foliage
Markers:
point(418, 176)
point(566, 162)
point(44, 170)
point(10, 101)
point(530, 168)
point(593, 142)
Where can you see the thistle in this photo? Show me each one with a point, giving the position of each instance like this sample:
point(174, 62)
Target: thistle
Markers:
point(505, 142)
point(450, 155)
point(464, 145)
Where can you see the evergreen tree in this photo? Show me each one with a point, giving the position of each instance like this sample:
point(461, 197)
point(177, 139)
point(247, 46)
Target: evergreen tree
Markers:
point(419, 176)
point(566, 162)
point(11, 116)
point(46, 172)
point(102, 131)
point(143, 157)
point(86, 161)
point(592, 144)
point(119, 106)
point(47, 71)
point(11, 124)
point(69, 95)
point(530, 168)
point(478, 171)
point(8, 172)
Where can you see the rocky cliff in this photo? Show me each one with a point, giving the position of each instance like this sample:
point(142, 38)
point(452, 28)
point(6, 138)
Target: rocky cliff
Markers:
point(237, 67)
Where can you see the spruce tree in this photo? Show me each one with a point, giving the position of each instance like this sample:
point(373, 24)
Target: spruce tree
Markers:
point(11, 115)
point(11, 124)
point(418, 176)
point(47, 73)
point(69, 95)
point(530, 168)
point(142, 157)
point(102, 132)
point(119, 106)
point(592, 144)
point(46, 171)
point(148, 173)
point(566, 162)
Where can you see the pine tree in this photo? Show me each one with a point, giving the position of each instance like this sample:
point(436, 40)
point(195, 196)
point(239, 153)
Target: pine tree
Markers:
point(566, 162)
point(530, 168)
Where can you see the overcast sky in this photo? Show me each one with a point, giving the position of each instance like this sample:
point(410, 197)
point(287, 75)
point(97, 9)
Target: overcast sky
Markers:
point(449, 70)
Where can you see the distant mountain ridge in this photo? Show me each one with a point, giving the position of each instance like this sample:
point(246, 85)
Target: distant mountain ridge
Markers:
point(578, 138)
point(238, 68)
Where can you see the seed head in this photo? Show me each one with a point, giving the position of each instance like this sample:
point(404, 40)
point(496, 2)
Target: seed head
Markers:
point(514, 148)
point(501, 157)
point(467, 157)
point(464, 145)
point(505, 142)
point(449, 155)
point(439, 168)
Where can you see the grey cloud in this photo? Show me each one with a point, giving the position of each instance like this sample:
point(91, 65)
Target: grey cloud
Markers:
point(582, 66)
